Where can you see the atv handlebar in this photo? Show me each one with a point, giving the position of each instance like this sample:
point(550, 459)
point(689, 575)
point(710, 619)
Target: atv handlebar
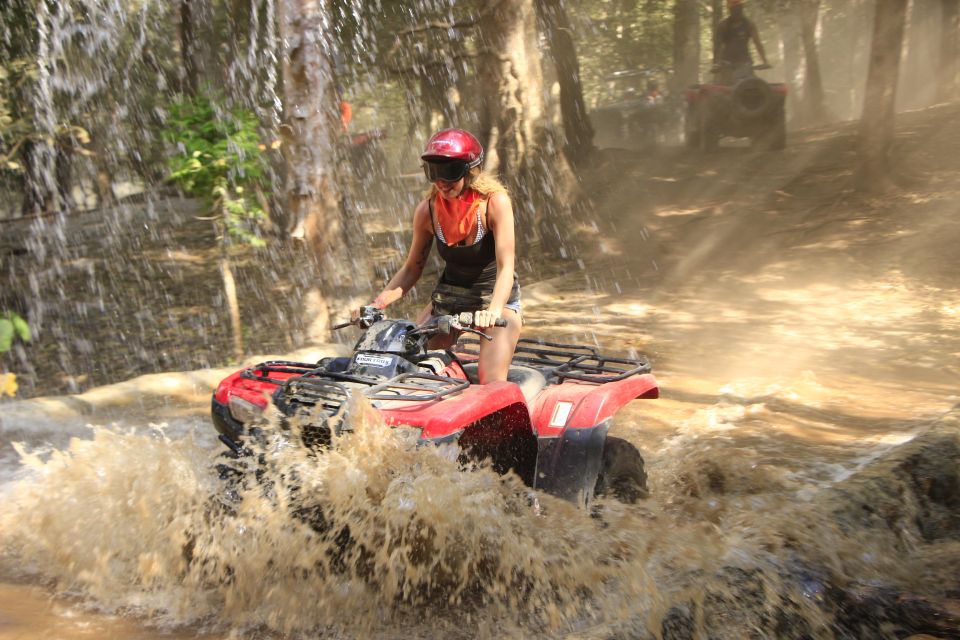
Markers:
point(369, 315)
point(461, 322)
point(466, 318)
point(720, 66)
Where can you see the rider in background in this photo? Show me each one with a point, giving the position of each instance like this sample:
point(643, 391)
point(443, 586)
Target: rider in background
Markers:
point(346, 110)
point(468, 214)
point(731, 45)
point(653, 95)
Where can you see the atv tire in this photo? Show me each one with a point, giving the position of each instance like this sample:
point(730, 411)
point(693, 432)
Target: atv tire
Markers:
point(708, 139)
point(777, 136)
point(691, 134)
point(752, 99)
point(621, 472)
point(774, 136)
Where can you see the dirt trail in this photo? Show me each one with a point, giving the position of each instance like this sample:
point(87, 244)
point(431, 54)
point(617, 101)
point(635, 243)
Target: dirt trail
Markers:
point(766, 269)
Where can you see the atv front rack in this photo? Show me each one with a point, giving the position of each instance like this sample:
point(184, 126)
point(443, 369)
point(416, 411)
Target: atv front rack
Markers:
point(309, 384)
point(561, 361)
point(416, 387)
point(313, 391)
point(262, 371)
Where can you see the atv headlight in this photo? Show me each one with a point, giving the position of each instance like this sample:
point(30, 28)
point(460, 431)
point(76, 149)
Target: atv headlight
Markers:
point(408, 435)
point(243, 411)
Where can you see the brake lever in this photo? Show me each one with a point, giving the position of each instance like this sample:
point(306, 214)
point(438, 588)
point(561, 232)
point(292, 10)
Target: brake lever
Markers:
point(486, 336)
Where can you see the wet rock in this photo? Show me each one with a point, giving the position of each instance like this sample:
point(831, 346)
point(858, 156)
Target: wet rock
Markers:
point(913, 493)
point(907, 504)
point(902, 510)
point(679, 623)
point(872, 609)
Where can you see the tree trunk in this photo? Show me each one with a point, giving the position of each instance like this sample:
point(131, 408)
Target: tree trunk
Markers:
point(948, 87)
point(315, 204)
point(576, 123)
point(716, 16)
point(813, 96)
point(626, 48)
point(519, 142)
point(877, 121)
point(188, 49)
point(792, 56)
point(686, 44)
point(233, 303)
point(921, 68)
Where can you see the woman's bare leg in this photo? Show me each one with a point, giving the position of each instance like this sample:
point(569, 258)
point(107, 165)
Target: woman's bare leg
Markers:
point(496, 354)
point(438, 341)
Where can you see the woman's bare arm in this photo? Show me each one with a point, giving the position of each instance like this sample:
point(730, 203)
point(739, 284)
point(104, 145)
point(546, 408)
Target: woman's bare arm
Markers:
point(500, 222)
point(412, 268)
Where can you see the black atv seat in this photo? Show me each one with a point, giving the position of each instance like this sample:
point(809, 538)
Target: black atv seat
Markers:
point(530, 381)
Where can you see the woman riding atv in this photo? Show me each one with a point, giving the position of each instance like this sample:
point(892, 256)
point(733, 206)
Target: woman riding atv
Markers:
point(470, 214)
point(731, 45)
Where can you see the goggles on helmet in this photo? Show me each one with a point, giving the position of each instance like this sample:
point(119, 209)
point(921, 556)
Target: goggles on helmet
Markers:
point(449, 171)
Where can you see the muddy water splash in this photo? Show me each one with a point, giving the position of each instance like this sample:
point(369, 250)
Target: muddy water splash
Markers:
point(378, 538)
point(373, 534)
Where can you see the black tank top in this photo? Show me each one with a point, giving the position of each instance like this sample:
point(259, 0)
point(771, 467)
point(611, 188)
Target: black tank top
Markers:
point(470, 267)
point(735, 41)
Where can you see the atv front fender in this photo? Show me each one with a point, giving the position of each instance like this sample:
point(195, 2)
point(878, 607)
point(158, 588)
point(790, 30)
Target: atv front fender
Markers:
point(582, 405)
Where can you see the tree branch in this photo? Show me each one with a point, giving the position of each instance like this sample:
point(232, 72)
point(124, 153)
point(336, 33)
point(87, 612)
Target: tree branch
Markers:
point(462, 24)
point(415, 68)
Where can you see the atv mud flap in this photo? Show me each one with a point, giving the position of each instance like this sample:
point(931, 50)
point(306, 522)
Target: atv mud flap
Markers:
point(568, 465)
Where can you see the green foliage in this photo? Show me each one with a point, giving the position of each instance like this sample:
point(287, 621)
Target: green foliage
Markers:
point(619, 35)
point(19, 74)
point(219, 158)
point(15, 126)
point(11, 326)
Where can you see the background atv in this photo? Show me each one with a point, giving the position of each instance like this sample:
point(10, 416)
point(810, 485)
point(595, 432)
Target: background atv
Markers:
point(548, 423)
point(367, 159)
point(748, 107)
point(633, 112)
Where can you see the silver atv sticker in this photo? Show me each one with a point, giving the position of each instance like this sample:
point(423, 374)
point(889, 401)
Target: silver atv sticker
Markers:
point(375, 361)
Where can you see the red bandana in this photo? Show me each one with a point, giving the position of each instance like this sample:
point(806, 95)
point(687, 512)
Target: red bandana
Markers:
point(456, 217)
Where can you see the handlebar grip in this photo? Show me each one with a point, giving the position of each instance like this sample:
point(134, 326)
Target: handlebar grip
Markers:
point(466, 318)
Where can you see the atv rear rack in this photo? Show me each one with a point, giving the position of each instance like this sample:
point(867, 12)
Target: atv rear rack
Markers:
point(563, 361)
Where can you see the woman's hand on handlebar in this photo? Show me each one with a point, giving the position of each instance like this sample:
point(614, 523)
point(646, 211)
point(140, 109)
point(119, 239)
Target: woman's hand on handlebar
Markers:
point(368, 308)
point(363, 317)
point(485, 318)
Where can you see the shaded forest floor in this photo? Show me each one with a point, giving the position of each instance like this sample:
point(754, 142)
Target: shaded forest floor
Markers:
point(710, 264)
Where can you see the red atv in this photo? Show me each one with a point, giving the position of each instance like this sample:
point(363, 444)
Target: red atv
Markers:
point(738, 105)
point(548, 423)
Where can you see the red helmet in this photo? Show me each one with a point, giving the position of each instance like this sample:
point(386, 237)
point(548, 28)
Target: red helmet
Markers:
point(453, 144)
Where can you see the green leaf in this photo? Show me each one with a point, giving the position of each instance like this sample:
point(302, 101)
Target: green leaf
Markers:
point(6, 335)
point(21, 327)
